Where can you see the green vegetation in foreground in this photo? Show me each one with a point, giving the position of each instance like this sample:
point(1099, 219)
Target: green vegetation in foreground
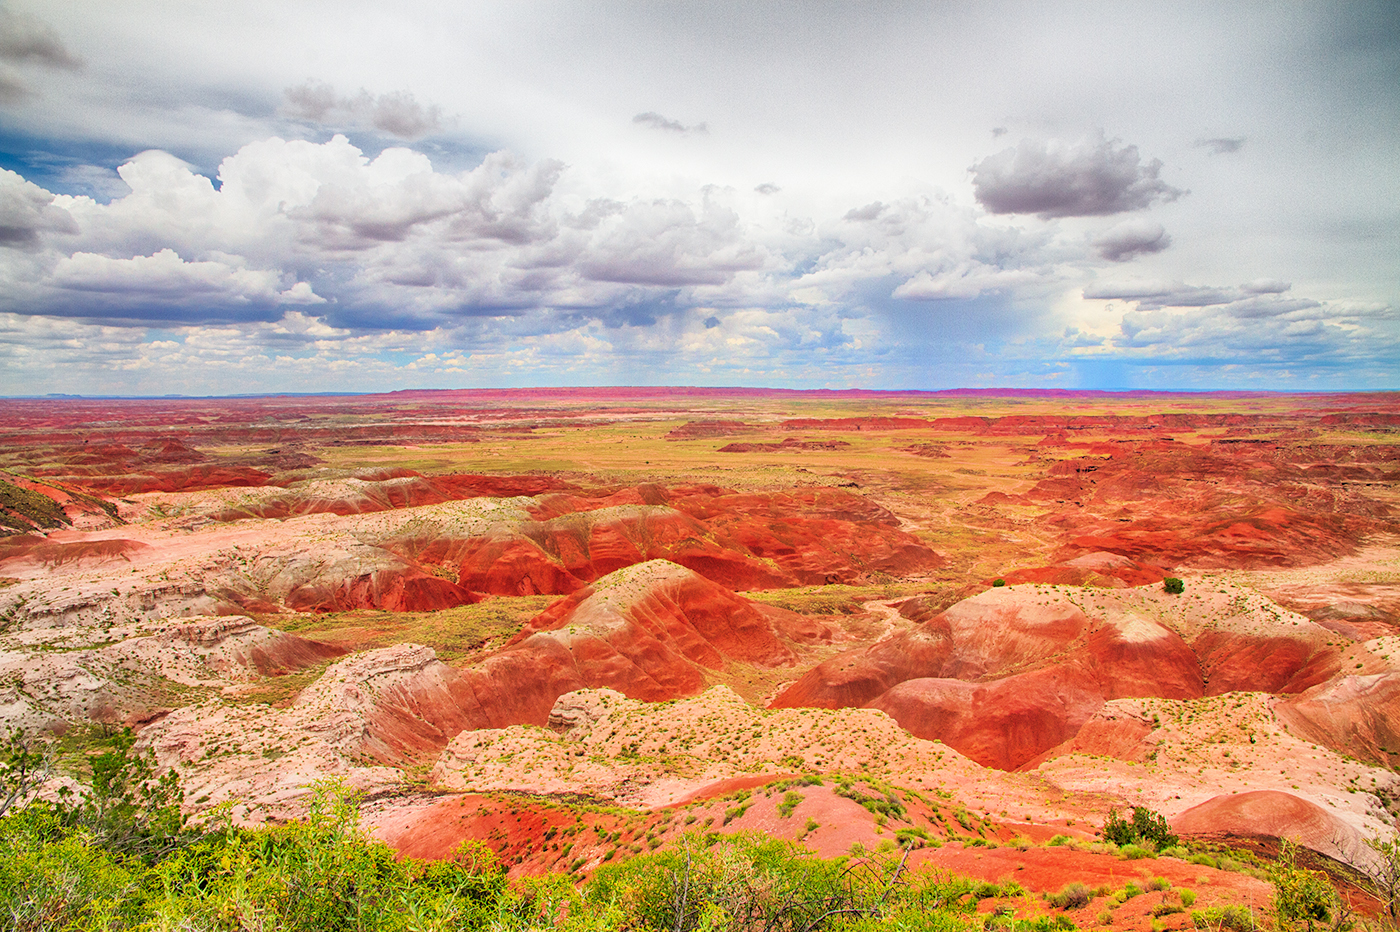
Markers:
point(61, 871)
point(123, 857)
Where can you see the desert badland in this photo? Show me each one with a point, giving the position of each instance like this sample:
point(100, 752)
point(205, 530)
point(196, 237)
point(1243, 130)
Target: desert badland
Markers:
point(577, 625)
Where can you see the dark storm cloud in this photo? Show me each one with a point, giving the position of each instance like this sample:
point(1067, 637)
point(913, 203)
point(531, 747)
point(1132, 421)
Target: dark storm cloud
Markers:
point(1054, 180)
point(654, 120)
point(398, 113)
point(1131, 238)
point(25, 39)
point(1221, 145)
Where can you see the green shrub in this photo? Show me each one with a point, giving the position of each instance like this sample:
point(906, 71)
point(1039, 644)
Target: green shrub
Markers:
point(1303, 899)
point(998, 583)
point(791, 800)
point(51, 877)
point(1071, 896)
point(754, 882)
point(1145, 828)
point(1219, 918)
point(1173, 585)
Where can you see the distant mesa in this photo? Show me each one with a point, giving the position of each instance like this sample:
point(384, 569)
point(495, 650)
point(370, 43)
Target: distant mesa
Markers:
point(855, 423)
point(790, 443)
point(705, 430)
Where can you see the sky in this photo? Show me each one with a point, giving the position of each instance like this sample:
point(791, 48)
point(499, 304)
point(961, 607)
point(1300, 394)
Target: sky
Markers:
point(254, 196)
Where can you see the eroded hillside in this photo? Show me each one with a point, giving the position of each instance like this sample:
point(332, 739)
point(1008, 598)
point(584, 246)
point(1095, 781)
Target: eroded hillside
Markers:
point(736, 611)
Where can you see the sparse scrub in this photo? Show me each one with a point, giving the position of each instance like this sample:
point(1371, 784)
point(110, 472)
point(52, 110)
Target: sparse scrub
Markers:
point(1071, 896)
point(1219, 918)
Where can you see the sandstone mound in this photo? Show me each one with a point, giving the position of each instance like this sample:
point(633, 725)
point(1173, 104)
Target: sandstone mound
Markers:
point(1004, 631)
point(371, 493)
point(1272, 814)
point(1008, 675)
point(651, 631)
point(1356, 715)
point(235, 646)
point(392, 590)
point(654, 632)
point(1001, 724)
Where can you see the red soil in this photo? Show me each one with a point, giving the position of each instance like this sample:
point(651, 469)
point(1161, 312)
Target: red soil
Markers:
point(1001, 724)
point(651, 632)
point(1236, 662)
point(407, 590)
point(1222, 504)
point(1004, 679)
point(188, 479)
point(1270, 814)
point(1119, 738)
point(1355, 715)
point(1111, 570)
point(741, 541)
point(39, 551)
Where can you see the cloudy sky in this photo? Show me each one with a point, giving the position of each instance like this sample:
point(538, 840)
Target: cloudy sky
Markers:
point(310, 196)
